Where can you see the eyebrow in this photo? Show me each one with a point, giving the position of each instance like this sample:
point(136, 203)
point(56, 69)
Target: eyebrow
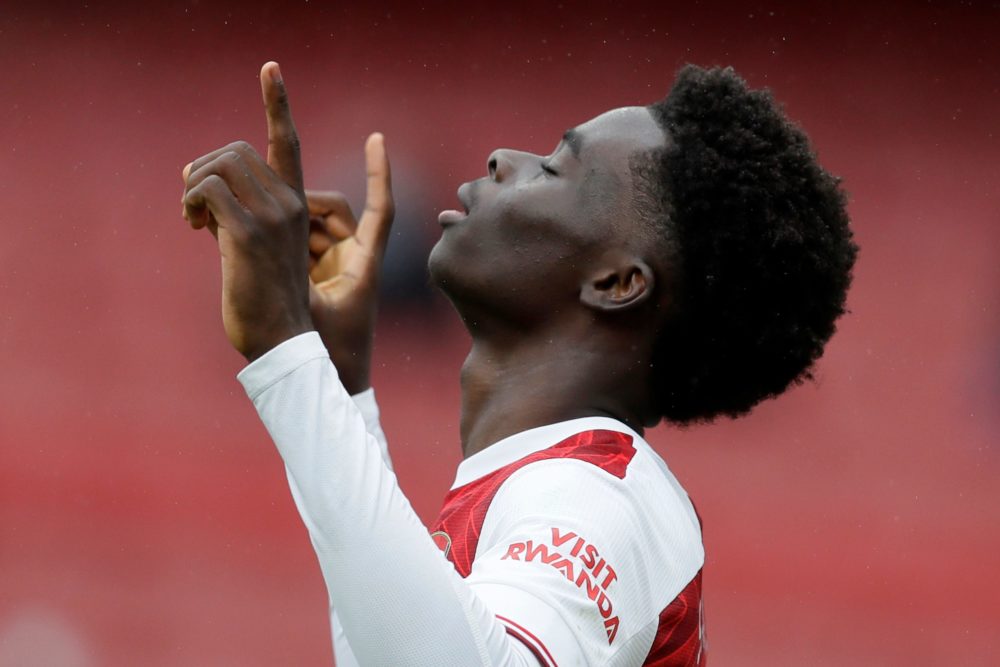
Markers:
point(574, 139)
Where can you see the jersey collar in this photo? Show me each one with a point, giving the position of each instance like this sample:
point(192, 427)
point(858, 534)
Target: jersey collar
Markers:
point(519, 445)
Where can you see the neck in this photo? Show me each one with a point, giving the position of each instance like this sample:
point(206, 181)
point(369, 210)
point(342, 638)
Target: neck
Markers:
point(512, 386)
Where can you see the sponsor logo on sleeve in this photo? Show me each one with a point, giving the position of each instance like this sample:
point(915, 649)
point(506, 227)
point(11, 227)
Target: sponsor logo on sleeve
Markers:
point(580, 562)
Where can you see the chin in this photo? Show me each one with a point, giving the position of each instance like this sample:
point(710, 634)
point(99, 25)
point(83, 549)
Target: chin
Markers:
point(438, 265)
point(487, 291)
point(449, 270)
point(444, 267)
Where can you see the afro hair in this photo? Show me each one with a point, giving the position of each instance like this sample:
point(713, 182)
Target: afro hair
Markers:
point(761, 237)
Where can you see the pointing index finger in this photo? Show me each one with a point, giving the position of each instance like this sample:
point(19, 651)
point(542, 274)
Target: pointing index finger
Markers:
point(373, 228)
point(283, 154)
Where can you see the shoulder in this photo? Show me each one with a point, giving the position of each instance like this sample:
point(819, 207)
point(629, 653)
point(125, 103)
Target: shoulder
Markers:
point(633, 514)
point(589, 533)
point(611, 483)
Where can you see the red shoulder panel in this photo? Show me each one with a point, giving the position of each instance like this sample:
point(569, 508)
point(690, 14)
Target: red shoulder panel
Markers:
point(461, 519)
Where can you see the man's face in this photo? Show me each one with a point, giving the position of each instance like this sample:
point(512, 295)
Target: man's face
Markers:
point(536, 224)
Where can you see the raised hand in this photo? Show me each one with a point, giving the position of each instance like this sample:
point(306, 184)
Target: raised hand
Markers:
point(257, 210)
point(345, 258)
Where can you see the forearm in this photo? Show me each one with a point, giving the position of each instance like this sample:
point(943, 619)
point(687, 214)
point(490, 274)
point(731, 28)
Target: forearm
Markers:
point(368, 407)
point(351, 356)
point(342, 650)
point(398, 598)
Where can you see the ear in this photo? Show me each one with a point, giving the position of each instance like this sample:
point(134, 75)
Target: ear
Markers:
point(618, 288)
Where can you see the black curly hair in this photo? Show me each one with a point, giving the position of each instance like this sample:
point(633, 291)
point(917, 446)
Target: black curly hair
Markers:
point(760, 234)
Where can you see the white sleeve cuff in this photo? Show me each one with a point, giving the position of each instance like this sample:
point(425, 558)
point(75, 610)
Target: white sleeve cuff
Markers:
point(281, 360)
point(365, 401)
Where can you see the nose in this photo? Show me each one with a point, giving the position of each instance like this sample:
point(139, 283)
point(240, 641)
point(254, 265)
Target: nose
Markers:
point(503, 163)
point(498, 166)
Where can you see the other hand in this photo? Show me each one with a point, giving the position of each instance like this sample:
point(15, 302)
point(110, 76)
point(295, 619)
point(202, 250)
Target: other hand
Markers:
point(345, 258)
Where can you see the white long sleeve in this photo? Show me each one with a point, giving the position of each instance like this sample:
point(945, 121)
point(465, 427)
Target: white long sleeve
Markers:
point(400, 601)
point(367, 405)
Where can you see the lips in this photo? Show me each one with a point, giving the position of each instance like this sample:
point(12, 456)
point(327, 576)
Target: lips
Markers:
point(452, 216)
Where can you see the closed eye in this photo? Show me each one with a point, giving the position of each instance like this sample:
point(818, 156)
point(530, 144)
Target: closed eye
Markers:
point(549, 171)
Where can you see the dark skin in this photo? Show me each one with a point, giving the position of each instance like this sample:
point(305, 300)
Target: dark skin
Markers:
point(557, 283)
point(562, 288)
point(344, 252)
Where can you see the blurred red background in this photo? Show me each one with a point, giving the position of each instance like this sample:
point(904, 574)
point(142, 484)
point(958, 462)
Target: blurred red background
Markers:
point(144, 517)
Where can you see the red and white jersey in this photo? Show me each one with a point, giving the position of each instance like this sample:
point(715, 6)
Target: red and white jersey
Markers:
point(568, 544)
point(578, 537)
